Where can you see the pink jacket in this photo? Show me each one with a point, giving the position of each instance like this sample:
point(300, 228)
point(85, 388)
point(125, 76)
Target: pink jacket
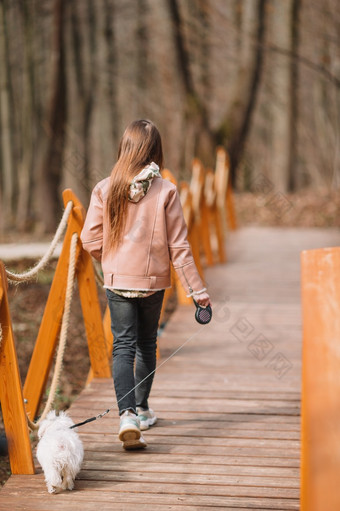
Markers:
point(155, 234)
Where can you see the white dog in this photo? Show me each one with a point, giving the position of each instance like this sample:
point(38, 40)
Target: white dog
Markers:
point(60, 451)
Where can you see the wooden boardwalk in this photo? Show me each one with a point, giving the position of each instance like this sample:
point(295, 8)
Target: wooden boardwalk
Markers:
point(228, 435)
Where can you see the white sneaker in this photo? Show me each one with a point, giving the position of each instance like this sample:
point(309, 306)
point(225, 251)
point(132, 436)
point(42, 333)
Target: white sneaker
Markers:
point(129, 431)
point(146, 418)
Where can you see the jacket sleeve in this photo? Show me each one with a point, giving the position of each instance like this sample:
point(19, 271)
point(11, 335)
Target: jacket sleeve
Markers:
point(92, 233)
point(179, 247)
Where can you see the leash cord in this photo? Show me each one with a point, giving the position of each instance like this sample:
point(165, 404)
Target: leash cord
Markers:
point(99, 416)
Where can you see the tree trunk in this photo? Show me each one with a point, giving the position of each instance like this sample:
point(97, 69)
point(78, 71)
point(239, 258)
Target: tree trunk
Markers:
point(198, 137)
point(142, 46)
point(294, 97)
point(240, 134)
point(281, 87)
point(50, 175)
point(8, 181)
point(25, 177)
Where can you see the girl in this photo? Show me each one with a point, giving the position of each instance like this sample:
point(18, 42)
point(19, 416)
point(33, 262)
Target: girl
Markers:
point(135, 227)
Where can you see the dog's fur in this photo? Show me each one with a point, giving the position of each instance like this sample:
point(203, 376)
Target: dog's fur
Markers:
point(60, 451)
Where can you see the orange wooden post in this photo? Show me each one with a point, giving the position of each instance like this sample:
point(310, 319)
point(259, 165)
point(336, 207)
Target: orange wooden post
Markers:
point(47, 338)
point(213, 213)
point(216, 219)
point(108, 332)
point(96, 336)
point(196, 188)
point(186, 202)
point(209, 208)
point(218, 209)
point(92, 317)
point(181, 294)
point(199, 235)
point(167, 174)
point(320, 450)
point(221, 178)
point(194, 240)
point(230, 207)
point(108, 343)
point(229, 198)
point(225, 201)
point(168, 293)
point(11, 397)
point(205, 231)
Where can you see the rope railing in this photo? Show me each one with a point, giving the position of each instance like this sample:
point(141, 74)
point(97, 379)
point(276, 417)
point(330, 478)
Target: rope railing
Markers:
point(63, 335)
point(26, 276)
point(31, 273)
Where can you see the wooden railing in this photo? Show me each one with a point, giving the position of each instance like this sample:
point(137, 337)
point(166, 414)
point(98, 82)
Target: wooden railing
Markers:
point(206, 201)
point(208, 208)
point(320, 414)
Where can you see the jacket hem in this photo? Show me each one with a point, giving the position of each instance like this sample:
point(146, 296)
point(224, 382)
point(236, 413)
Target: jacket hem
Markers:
point(136, 289)
point(138, 283)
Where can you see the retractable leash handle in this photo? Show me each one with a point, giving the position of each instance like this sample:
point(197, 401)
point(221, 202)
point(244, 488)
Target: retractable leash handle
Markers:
point(203, 314)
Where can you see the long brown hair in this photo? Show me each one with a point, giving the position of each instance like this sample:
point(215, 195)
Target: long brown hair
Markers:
point(140, 145)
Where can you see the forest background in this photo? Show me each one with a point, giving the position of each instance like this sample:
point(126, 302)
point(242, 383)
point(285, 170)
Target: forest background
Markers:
point(260, 77)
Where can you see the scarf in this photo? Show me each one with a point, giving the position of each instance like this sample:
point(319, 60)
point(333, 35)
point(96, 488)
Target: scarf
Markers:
point(141, 182)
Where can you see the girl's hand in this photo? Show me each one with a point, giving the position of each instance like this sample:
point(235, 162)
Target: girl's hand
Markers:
point(203, 299)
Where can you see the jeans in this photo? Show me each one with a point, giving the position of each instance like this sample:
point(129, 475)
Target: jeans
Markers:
point(134, 324)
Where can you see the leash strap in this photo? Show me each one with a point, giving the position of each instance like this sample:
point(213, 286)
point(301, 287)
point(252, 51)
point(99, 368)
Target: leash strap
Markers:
point(91, 419)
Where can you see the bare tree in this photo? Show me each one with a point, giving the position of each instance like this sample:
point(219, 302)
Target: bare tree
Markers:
point(50, 174)
point(27, 115)
point(241, 129)
point(199, 138)
point(8, 174)
point(294, 96)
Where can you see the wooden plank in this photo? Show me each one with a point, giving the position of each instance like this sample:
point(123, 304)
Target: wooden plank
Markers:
point(106, 480)
point(193, 406)
point(106, 393)
point(213, 461)
point(85, 408)
point(205, 441)
point(172, 431)
point(106, 390)
point(119, 506)
point(230, 425)
point(275, 486)
point(154, 446)
point(95, 494)
point(98, 463)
